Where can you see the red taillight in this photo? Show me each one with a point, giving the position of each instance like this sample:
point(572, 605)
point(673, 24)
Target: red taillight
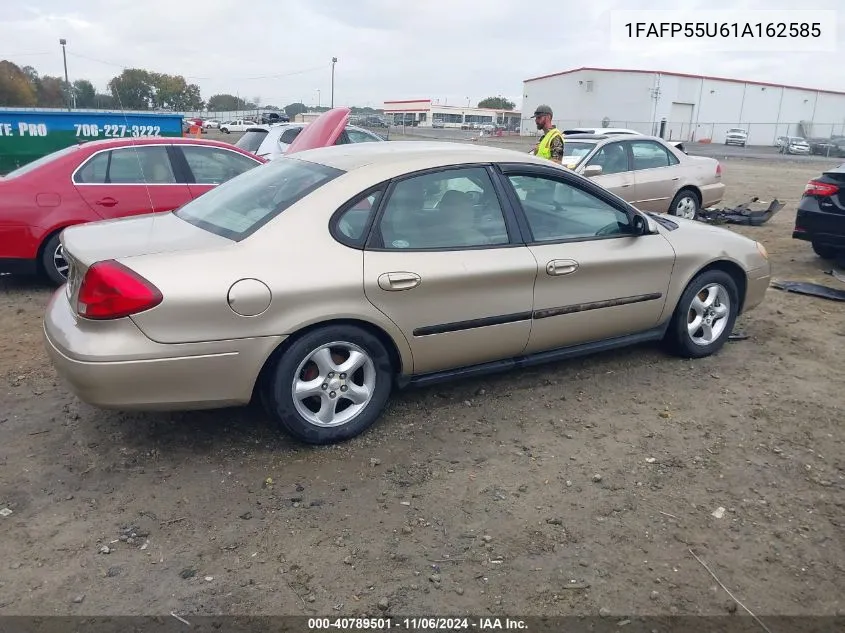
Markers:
point(110, 291)
point(816, 188)
point(718, 170)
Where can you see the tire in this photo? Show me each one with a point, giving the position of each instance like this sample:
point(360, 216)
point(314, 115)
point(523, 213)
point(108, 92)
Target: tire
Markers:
point(298, 417)
point(51, 260)
point(225, 130)
point(679, 339)
point(690, 200)
point(825, 252)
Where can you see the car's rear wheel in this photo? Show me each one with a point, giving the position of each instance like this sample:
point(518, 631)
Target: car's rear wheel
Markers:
point(685, 204)
point(705, 315)
point(824, 251)
point(330, 385)
point(53, 261)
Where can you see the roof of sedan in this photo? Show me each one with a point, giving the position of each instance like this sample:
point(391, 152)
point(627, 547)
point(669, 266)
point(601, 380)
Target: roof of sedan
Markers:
point(152, 140)
point(355, 155)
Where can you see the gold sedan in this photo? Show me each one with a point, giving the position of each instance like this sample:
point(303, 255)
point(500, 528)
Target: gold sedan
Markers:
point(323, 279)
point(648, 172)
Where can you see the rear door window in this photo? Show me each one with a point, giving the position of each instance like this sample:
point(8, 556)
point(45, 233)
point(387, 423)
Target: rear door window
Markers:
point(251, 140)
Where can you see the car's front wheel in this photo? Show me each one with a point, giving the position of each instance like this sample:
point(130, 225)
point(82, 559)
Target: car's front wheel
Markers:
point(225, 130)
point(705, 315)
point(330, 385)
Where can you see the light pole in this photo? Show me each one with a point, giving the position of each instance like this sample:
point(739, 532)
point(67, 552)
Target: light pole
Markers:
point(334, 61)
point(318, 98)
point(63, 42)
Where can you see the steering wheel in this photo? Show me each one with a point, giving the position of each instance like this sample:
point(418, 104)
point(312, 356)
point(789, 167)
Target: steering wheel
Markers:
point(609, 229)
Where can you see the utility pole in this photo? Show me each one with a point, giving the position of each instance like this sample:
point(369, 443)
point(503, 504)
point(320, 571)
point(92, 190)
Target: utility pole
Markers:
point(334, 61)
point(63, 42)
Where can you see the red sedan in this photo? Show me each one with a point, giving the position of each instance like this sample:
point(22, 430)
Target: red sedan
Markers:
point(102, 180)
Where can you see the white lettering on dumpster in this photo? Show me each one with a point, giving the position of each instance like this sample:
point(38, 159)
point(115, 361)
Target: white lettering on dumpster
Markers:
point(32, 129)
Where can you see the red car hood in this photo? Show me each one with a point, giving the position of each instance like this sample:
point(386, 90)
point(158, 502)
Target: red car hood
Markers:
point(322, 131)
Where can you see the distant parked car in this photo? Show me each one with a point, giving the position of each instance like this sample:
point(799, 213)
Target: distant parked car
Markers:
point(103, 180)
point(615, 131)
point(821, 214)
point(211, 124)
point(269, 118)
point(272, 141)
point(647, 172)
point(823, 147)
point(238, 125)
point(736, 136)
point(794, 145)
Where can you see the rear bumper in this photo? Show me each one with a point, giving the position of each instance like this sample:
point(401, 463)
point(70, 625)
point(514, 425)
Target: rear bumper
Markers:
point(822, 227)
point(18, 266)
point(757, 283)
point(113, 365)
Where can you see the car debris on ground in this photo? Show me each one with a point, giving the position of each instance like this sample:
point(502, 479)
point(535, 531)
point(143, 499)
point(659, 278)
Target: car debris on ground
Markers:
point(742, 213)
point(811, 289)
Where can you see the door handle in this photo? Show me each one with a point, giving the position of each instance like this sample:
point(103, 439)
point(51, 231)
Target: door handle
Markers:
point(399, 281)
point(106, 202)
point(561, 267)
point(628, 185)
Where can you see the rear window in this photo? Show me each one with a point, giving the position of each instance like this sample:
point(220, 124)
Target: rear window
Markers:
point(574, 148)
point(242, 205)
point(251, 140)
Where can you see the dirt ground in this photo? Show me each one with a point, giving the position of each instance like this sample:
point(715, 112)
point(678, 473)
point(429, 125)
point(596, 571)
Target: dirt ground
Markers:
point(574, 488)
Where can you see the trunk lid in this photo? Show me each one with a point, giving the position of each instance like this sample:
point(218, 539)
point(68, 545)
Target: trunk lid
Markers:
point(86, 244)
point(321, 132)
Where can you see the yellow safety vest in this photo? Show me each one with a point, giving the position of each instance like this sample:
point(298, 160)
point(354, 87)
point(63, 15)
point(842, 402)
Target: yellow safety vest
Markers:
point(544, 149)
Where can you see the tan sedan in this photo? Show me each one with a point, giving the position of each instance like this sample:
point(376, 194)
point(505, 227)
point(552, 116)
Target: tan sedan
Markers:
point(323, 279)
point(647, 172)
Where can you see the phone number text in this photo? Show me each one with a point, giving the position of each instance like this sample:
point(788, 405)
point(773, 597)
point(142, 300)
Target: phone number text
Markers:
point(784, 30)
point(116, 131)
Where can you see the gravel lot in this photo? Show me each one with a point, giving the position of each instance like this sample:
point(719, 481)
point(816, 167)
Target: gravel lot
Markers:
point(573, 488)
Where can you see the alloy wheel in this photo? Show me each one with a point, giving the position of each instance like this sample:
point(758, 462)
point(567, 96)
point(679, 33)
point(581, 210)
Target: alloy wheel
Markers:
point(708, 314)
point(333, 384)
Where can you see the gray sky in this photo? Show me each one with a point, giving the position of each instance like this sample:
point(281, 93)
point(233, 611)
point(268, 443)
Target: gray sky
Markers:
point(281, 50)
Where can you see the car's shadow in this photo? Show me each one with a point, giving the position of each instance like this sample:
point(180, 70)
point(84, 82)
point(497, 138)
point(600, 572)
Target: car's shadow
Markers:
point(25, 283)
point(249, 430)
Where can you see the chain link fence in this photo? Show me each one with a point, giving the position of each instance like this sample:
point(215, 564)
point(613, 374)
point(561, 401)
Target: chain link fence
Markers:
point(765, 134)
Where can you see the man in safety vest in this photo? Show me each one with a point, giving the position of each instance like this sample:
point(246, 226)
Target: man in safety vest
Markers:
point(551, 145)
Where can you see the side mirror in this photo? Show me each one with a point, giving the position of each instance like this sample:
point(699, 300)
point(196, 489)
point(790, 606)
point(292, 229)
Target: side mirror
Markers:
point(640, 225)
point(592, 170)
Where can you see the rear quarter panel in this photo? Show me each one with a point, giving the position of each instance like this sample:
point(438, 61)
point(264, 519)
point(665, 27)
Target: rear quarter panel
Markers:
point(35, 206)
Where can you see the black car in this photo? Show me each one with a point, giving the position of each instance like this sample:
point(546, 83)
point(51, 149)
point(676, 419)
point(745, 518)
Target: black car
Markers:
point(269, 118)
point(821, 214)
point(822, 146)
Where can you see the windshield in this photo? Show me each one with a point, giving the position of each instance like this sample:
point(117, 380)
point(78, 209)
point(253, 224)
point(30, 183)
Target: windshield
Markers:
point(576, 149)
point(242, 205)
point(49, 158)
point(251, 140)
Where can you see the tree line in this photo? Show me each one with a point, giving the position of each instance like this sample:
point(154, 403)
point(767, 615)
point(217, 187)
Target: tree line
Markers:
point(139, 89)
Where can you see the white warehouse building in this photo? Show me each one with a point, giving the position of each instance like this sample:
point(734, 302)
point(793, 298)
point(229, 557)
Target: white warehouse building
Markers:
point(695, 107)
point(425, 112)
